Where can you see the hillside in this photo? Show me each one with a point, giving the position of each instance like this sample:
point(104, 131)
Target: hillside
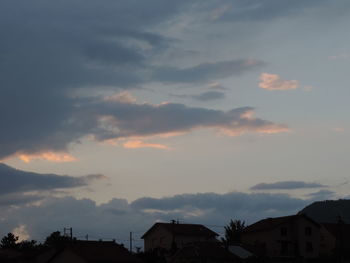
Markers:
point(328, 211)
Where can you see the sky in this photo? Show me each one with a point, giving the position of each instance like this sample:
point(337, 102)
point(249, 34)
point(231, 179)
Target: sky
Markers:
point(131, 112)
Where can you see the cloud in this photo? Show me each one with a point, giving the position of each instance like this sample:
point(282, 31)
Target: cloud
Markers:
point(321, 195)
point(209, 95)
point(258, 11)
point(140, 144)
point(339, 129)
point(57, 54)
point(206, 71)
point(217, 86)
point(16, 181)
point(120, 116)
point(274, 82)
point(122, 120)
point(18, 199)
point(287, 185)
point(21, 233)
point(139, 215)
point(205, 96)
point(48, 156)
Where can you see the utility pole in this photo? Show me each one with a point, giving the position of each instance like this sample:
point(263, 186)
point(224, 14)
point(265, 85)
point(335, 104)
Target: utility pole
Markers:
point(130, 241)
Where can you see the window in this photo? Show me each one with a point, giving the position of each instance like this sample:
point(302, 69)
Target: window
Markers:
point(283, 231)
point(309, 247)
point(308, 231)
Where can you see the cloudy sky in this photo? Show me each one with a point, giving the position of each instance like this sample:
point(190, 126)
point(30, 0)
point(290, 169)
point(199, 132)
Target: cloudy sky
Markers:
point(128, 112)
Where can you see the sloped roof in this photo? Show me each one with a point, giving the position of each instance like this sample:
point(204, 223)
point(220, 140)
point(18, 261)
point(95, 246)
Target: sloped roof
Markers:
point(183, 229)
point(240, 252)
point(270, 223)
point(102, 251)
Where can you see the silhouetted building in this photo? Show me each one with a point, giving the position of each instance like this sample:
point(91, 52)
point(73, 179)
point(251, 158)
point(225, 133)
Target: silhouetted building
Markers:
point(173, 235)
point(204, 252)
point(88, 252)
point(288, 237)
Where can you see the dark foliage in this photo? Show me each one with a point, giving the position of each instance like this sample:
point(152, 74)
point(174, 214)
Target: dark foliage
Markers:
point(233, 232)
point(55, 239)
point(9, 241)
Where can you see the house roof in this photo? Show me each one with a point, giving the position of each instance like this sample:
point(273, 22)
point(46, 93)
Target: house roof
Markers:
point(270, 223)
point(101, 251)
point(183, 229)
point(240, 252)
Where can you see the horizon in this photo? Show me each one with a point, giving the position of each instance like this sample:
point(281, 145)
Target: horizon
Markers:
point(129, 112)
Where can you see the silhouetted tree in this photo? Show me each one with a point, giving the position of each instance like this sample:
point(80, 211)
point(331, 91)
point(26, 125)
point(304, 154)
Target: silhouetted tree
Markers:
point(55, 239)
point(9, 241)
point(233, 232)
point(28, 245)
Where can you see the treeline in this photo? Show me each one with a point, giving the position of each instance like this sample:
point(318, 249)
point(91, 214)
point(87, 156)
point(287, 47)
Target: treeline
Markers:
point(55, 239)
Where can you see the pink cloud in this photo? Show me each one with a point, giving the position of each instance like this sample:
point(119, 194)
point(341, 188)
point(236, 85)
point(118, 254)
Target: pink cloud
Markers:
point(57, 157)
point(140, 144)
point(274, 82)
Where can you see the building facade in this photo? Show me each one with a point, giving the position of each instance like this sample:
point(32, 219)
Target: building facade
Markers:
point(288, 236)
point(173, 235)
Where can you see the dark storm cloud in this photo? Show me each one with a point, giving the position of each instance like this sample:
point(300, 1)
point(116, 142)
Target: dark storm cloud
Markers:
point(138, 216)
point(108, 119)
point(124, 119)
point(50, 49)
point(17, 181)
point(18, 199)
point(287, 185)
point(240, 202)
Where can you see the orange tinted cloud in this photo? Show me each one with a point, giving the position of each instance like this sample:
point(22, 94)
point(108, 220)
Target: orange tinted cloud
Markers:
point(47, 156)
point(272, 129)
point(268, 129)
point(274, 82)
point(141, 144)
point(339, 129)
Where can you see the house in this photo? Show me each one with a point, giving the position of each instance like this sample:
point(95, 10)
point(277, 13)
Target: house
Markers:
point(288, 237)
point(168, 236)
point(88, 252)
